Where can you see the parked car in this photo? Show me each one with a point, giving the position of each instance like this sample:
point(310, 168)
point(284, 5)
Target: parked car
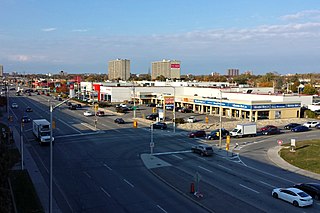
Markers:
point(25, 119)
point(214, 135)
point(78, 105)
point(198, 134)
point(312, 189)
point(152, 116)
point(73, 107)
point(203, 150)
point(100, 113)
point(293, 195)
point(151, 105)
point(267, 127)
point(186, 110)
point(29, 109)
point(88, 113)
point(271, 131)
point(291, 125)
point(14, 105)
point(311, 124)
point(159, 125)
point(300, 129)
point(192, 119)
point(119, 121)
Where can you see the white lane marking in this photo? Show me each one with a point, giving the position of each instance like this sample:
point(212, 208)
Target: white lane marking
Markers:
point(162, 209)
point(224, 167)
point(169, 153)
point(128, 183)
point(69, 126)
point(205, 169)
point(107, 166)
point(249, 188)
point(177, 156)
point(86, 173)
point(102, 189)
point(89, 126)
point(267, 184)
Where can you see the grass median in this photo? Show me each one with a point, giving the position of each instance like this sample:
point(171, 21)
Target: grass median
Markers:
point(306, 155)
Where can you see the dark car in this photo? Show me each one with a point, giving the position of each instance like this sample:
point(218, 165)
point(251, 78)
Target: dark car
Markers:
point(159, 125)
point(78, 105)
point(186, 110)
point(267, 127)
point(291, 125)
point(29, 109)
point(68, 103)
point(151, 105)
point(317, 126)
point(25, 119)
point(100, 113)
point(119, 121)
point(152, 116)
point(214, 135)
point(198, 134)
point(312, 189)
point(72, 107)
point(300, 129)
point(271, 131)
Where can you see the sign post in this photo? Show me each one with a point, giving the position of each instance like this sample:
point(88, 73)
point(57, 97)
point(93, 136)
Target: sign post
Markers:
point(293, 145)
point(279, 142)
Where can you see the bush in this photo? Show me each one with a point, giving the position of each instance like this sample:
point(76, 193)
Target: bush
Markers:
point(104, 104)
point(310, 114)
point(179, 121)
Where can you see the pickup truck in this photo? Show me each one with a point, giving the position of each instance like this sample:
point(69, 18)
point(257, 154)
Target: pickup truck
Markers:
point(203, 150)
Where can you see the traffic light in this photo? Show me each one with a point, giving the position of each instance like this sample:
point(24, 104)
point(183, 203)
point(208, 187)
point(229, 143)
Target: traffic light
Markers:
point(218, 133)
point(96, 107)
point(53, 124)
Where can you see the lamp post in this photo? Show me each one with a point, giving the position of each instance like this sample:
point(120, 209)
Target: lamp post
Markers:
point(174, 109)
point(21, 145)
point(134, 101)
point(51, 155)
point(220, 113)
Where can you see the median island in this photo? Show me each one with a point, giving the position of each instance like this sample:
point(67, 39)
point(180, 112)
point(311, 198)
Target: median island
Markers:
point(305, 155)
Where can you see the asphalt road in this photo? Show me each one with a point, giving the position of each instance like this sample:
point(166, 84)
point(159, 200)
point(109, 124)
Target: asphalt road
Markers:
point(101, 171)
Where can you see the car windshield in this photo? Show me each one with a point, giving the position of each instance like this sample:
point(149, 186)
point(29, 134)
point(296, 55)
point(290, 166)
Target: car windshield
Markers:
point(209, 148)
point(45, 134)
point(303, 194)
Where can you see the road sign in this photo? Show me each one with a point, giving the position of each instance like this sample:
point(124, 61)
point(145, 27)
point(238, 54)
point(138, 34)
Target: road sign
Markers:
point(293, 142)
point(280, 142)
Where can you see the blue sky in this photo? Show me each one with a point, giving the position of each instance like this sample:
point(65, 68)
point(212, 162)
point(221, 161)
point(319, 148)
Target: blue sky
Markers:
point(81, 36)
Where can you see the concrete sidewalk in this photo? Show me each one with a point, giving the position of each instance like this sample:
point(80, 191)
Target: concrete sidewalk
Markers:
point(273, 155)
point(38, 181)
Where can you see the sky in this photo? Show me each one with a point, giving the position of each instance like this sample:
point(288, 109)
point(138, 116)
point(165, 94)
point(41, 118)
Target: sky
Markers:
point(81, 36)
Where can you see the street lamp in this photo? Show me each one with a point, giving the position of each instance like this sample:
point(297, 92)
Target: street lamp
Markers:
point(174, 109)
point(220, 113)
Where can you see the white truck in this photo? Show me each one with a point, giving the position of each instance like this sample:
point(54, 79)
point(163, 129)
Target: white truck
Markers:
point(41, 129)
point(243, 130)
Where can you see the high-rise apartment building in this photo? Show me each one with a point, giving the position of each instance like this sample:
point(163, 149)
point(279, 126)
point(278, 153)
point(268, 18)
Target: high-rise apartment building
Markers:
point(232, 72)
point(119, 69)
point(167, 68)
point(1, 71)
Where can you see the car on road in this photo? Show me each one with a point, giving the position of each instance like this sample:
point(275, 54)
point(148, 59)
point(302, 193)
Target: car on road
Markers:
point(100, 113)
point(203, 150)
point(159, 125)
point(78, 105)
point(14, 105)
point(311, 124)
point(73, 107)
point(88, 113)
point(119, 121)
point(312, 189)
point(25, 119)
point(191, 119)
point(271, 131)
point(198, 134)
point(293, 195)
point(151, 105)
point(29, 109)
point(152, 116)
point(317, 126)
point(300, 129)
point(291, 125)
point(214, 134)
point(186, 110)
point(267, 127)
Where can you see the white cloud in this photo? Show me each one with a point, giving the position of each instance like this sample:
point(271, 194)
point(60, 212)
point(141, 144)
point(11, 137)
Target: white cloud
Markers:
point(49, 29)
point(25, 58)
point(306, 14)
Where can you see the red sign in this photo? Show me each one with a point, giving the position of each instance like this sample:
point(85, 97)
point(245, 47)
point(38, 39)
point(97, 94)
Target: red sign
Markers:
point(168, 100)
point(175, 65)
point(71, 86)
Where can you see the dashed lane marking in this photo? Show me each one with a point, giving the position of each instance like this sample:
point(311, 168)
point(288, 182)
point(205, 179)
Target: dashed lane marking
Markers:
point(246, 187)
point(205, 169)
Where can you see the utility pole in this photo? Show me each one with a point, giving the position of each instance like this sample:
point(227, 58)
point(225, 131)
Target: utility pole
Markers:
point(21, 145)
point(174, 109)
point(220, 113)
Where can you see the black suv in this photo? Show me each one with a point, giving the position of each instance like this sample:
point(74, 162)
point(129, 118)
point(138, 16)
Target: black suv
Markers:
point(159, 125)
point(152, 116)
point(214, 135)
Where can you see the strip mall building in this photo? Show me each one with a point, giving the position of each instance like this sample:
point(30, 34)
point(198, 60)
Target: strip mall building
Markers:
point(241, 103)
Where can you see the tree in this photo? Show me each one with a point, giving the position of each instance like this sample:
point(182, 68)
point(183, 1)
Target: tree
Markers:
point(161, 78)
point(309, 90)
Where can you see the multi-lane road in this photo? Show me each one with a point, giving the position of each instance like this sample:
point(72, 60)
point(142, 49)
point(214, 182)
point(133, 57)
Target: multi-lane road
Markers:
point(100, 169)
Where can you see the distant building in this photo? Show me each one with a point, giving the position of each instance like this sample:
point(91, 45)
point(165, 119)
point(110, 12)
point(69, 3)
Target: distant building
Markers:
point(119, 69)
point(232, 72)
point(167, 68)
point(1, 71)
point(248, 72)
